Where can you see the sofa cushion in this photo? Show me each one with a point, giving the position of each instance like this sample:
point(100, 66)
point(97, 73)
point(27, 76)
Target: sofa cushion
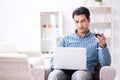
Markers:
point(14, 67)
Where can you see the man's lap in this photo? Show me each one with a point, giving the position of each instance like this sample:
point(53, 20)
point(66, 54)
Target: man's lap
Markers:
point(69, 75)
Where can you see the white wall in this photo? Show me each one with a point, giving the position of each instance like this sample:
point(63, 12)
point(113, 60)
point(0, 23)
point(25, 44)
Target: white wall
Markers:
point(116, 33)
point(19, 24)
point(20, 21)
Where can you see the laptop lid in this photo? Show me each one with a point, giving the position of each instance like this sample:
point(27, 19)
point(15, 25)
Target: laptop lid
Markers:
point(70, 58)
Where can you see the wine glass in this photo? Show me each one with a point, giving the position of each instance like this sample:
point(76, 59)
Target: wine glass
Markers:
point(97, 33)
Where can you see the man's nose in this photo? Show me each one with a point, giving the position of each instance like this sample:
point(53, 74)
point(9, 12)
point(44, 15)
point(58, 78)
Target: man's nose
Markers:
point(80, 24)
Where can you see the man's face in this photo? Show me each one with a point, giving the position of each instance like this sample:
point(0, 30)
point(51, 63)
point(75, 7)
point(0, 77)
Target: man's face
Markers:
point(81, 23)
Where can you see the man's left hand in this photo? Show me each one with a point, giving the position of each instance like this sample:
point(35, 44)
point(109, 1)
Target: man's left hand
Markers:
point(101, 40)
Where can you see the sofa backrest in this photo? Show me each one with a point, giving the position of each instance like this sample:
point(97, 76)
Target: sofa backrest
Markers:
point(7, 48)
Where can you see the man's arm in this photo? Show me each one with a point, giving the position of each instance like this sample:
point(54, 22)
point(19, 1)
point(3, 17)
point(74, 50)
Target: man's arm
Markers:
point(103, 53)
point(61, 43)
point(104, 56)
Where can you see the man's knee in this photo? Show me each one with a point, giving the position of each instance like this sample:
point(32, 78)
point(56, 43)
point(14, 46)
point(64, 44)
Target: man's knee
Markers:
point(81, 75)
point(56, 75)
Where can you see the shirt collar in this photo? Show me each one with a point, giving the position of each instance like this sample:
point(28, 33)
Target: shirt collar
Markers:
point(85, 34)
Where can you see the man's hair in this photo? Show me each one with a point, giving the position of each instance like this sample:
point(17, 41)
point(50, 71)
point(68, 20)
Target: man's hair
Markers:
point(81, 11)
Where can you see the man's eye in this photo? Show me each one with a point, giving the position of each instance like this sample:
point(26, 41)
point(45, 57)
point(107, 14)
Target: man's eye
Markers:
point(83, 21)
point(77, 21)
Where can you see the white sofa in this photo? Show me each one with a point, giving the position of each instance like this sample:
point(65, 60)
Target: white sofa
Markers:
point(15, 67)
point(6, 48)
point(106, 73)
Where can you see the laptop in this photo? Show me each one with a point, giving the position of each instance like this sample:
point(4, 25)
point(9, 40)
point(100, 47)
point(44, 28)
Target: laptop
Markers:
point(70, 58)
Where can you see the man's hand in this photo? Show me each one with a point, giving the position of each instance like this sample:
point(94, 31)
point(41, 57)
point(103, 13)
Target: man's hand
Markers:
point(101, 40)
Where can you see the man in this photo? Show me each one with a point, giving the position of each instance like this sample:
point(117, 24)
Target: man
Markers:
point(97, 51)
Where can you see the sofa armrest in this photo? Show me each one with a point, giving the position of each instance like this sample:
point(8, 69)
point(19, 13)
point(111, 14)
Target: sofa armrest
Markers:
point(40, 72)
point(36, 61)
point(47, 72)
point(107, 73)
